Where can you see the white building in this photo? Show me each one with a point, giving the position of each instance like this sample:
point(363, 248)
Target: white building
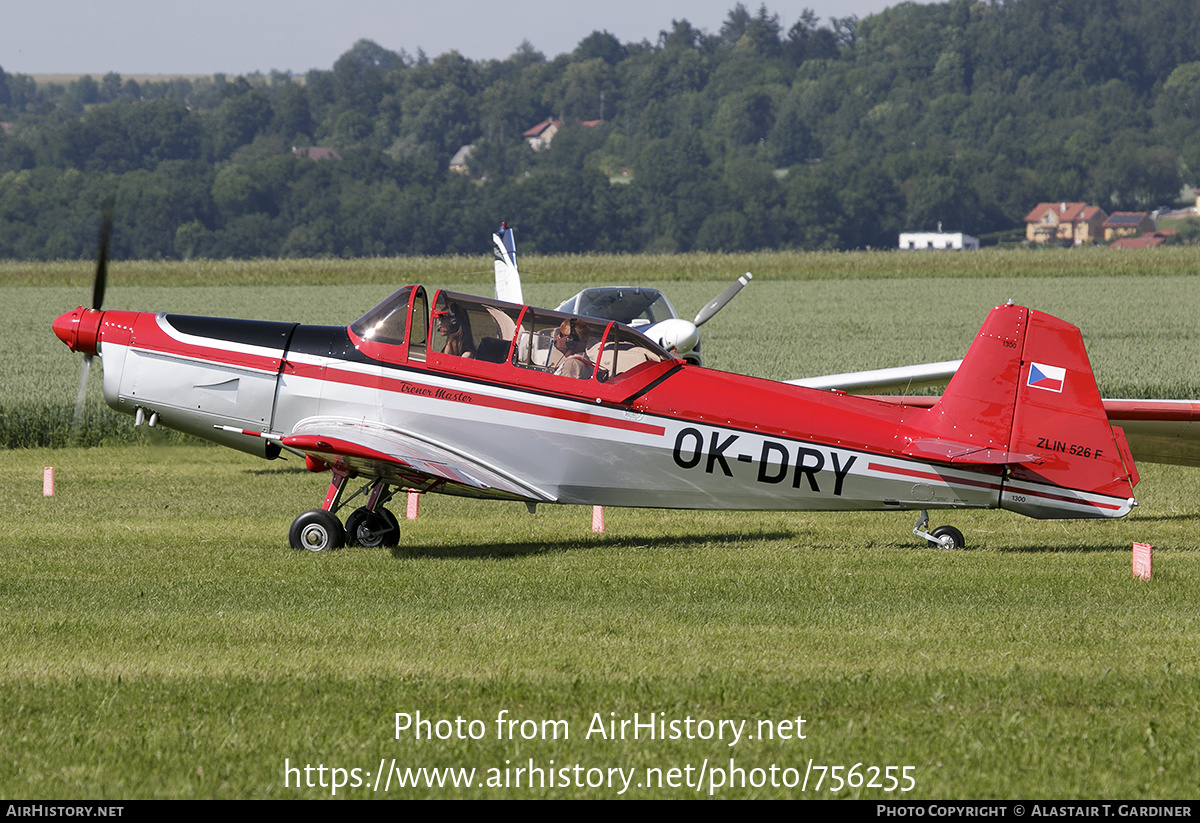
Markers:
point(915, 240)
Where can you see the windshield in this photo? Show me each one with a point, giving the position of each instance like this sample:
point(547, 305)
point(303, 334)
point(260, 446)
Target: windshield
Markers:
point(387, 322)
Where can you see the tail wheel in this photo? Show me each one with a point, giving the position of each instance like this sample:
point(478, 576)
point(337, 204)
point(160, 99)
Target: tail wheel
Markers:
point(947, 537)
point(372, 528)
point(317, 531)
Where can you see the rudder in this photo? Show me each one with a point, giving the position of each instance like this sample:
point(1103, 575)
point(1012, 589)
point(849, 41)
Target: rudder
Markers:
point(1083, 467)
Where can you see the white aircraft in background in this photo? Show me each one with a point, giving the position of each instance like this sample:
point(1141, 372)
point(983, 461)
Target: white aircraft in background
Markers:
point(647, 310)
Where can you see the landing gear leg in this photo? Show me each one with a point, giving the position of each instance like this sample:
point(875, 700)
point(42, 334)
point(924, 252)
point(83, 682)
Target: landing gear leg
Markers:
point(943, 537)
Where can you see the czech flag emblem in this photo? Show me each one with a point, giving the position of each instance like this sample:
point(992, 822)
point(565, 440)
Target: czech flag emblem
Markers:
point(1050, 378)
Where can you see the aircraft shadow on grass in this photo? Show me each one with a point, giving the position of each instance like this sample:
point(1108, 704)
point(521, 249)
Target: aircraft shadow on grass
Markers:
point(531, 548)
point(1057, 549)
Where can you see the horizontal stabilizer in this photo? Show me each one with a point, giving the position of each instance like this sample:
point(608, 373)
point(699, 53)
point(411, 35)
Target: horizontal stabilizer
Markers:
point(1159, 431)
point(966, 453)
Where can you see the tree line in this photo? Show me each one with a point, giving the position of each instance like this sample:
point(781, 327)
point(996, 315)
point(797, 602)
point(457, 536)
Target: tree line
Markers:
point(827, 135)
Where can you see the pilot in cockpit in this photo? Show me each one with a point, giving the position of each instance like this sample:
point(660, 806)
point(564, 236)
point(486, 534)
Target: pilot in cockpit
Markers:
point(571, 340)
point(454, 325)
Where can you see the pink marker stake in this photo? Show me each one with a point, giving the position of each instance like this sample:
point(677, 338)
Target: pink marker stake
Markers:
point(48, 481)
point(414, 502)
point(598, 519)
point(1143, 560)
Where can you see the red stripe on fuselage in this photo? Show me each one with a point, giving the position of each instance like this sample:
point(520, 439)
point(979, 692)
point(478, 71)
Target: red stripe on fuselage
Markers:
point(986, 485)
point(1061, 498)
point(149, 335)
point(337, 448)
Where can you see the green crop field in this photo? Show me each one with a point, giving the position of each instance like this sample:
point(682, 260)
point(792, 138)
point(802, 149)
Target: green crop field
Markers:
point(805, 314)
point(159, 639)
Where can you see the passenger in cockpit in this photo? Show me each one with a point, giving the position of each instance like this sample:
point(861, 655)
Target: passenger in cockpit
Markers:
point(454, 325)
point(571, 340)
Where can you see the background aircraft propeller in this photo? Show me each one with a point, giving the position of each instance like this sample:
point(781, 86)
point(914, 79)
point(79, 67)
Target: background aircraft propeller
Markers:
point(719, 302)
point(682, 338)
point(98, 285)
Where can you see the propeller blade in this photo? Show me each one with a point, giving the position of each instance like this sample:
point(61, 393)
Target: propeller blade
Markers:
point(718, 302)
point(106, 220)
point(98, 284)
point(82, 396)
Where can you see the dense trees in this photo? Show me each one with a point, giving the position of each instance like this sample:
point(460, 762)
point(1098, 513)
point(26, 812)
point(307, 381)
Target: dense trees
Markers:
point(835, 135)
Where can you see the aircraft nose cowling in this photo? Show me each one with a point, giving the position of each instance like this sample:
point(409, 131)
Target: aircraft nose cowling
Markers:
point(79, 329)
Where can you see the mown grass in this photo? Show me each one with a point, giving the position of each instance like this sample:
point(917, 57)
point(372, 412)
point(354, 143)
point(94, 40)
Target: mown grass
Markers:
point(159, 639)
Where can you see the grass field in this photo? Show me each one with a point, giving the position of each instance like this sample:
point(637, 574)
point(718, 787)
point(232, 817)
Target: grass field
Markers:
point(158, 639)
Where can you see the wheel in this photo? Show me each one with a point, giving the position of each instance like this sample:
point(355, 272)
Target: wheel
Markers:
point(371, 529)
point(316, 530)
point(948, 537)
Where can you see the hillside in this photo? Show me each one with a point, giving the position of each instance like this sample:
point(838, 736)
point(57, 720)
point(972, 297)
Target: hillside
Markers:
point(833, 134)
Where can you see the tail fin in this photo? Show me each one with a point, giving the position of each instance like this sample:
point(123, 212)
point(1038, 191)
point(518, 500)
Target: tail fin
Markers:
point(1025, 398)
point(508, 279)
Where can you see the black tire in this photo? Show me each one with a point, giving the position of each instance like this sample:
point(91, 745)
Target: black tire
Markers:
point(317, 531)
point(372, 529)
point(942, 532)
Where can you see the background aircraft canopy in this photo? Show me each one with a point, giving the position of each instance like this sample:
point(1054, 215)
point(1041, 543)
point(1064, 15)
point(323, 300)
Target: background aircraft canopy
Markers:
point(633, 306)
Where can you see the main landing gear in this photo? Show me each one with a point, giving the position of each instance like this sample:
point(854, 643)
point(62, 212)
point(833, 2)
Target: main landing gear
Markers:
point(371, 525)
point(943, 537)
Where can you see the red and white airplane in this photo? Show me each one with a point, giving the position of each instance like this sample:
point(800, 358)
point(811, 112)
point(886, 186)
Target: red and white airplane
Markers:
point(442, 392)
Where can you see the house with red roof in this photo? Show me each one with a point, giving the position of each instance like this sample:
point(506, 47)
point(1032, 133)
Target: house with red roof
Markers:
point(539, 136)
point(1064, 223)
